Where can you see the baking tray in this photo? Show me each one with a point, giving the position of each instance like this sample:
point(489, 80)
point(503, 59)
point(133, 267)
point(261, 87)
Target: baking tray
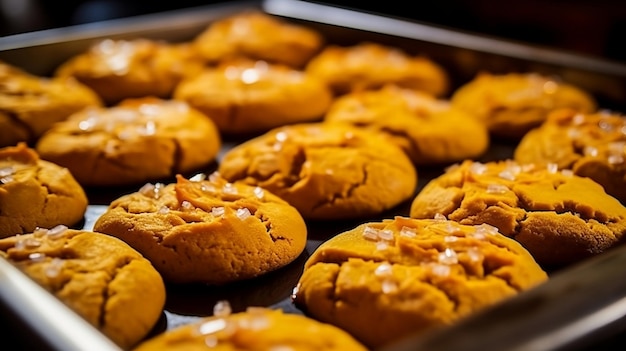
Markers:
point(582, 306)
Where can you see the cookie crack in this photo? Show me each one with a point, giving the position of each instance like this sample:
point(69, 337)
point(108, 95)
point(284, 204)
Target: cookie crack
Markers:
point(15, 118)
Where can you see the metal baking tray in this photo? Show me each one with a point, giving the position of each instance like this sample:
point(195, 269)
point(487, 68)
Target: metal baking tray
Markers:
point(580, 307)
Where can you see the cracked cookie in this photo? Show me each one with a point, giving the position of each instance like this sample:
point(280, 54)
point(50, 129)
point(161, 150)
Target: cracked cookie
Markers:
point(256, 328)
point(258, 36)
point(121, 69)
point(136, 141)
point(30, 105)
point(98, 276)
point(384, 280)
point(326, 171)
point(426, 128)
point(36, 193)
point(512, 104)
point(559, 217)
point(207, 230)
point(251, 97)
point(370, 65)
point(591, 145)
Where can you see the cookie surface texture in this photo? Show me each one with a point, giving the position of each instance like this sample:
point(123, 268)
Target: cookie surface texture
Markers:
point(428, 129)
point(512, 104)
point(251, 97)
point(207, 231)
point(256, 328)
point(258, 36)
point(98, 276)
point(371, 65)
point(325, 171)
point(413, 275)
point(36, 193)
point(561, 218)
point(137, 141)
point(30, 105)
point(591, 145)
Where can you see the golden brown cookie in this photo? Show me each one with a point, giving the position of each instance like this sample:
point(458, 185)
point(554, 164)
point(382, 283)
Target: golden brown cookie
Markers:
point(326, 171)
point(514, 103)
point(591, 145)
point(251, 97)
point(30, 105)
point(98, 276)
point(121, 69)
point(136, 141)
point(561, 218)
point(371, 65)
point(384, 280)
point(207, 231)
point(36, 193)
point(428, 129)
point(258, 36)
point(256, 328)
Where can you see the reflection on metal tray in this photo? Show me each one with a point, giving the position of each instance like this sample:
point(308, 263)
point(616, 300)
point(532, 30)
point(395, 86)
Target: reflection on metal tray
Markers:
point(593, 287)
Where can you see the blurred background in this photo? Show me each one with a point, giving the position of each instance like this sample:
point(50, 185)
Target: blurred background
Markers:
point(589, 27)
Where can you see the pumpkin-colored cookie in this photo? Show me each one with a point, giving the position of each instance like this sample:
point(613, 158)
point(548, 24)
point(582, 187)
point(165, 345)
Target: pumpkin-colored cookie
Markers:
point(591, 145)
point(371, 65)
point(512, 104)
point(326, 171)
point(382, 281)
point(207, 231)
point(561, 218)
point(98, 276)
point(428, 129)
point(251, 97)
point(30, 105)
point(257, 328)
point(136, 141)
point(36, 193)
point(258, 36)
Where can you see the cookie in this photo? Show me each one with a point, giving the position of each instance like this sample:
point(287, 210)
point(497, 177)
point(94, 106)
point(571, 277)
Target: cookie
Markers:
point(370, 65)
point(428, 129)
point(251, 97)
point(30, 105)
point(559, 217)
point(136, 141)
point(36, 193)
point(382, 281)
point(326, 171)
point(256, 328)
point(590, 145)
point(514, 103)
point(258, 36)
point(207, 231)
point(98, 276)
point(121, 69)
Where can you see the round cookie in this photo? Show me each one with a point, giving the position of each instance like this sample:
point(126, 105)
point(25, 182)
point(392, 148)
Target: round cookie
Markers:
point(257, 328)
point(514, 103)
point(591, 145)
point(258, 36)
point(371, 65)
point(251, 97)
point(207, 231)
point(36, 193)
point(30, 105)
point(384, 280)
point(561, 218)
point(98, 276)
point(121, 69)
point(326, 171)
point(136, 141)
point(428, 129)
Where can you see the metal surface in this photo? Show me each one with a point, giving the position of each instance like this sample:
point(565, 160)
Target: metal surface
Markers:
point(578, 306)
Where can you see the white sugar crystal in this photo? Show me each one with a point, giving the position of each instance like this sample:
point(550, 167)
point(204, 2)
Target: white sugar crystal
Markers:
point(243, 213)
point(448, 256)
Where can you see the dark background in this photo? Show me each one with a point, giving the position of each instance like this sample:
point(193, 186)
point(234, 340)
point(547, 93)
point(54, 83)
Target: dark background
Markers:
point(589, 27)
